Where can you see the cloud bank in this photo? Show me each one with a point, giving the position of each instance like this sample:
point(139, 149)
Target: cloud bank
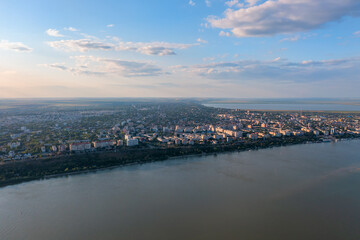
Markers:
point(14, 46)
point(278, 70)
point(81, 45)
point(89, 65)
point(54, 33)
point(282, 16)
point(71, 29)
point(150, 48)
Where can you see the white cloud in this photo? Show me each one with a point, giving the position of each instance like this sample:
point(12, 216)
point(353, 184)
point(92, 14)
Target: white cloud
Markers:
point(252, 2)
point(277, 59)
point(279, 70)
point(53, 33)
point(283, 16)
point(201, 40)
point(204, 25)
point(159, 51)
point(150, 48)
point(224, 34)
point(290, 39)
point(153, 48)
point(77, 70)
point(60, 66)
point(357, 33)
point(15, 46)
point(81, 45)
point(89, 65)
point(132, 68)
point(191, 3)
point(208, 3)
point(71, 29)
point(234, 3)
point(110, 25)
point(8, 72)
point(237, 4)
point(208, 59)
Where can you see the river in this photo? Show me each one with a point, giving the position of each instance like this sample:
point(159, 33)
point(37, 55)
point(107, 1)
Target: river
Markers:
point(308, 191)
point(287, 106)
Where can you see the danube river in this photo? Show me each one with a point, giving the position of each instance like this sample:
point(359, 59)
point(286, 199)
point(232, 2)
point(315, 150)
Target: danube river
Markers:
point(308, 191)
point(287, 106)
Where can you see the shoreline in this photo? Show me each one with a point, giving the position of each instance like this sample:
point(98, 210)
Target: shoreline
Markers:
point(196, 151)
point(280, 110)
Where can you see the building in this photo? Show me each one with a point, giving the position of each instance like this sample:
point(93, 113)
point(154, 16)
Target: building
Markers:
point(179, 129)
point(285, 132)
point(62, 148)
point(132, 142)
point(238, 134)
point(80, 146)
point(188, 130)
point(163, 140)
point(217, 137)
point(14, 145)
point(11, 154)
point(104, 143)
point(205, 137)
point(332, 131)
point(120, 142)
point(43, 149)
point(253, 136)
point(275, 134)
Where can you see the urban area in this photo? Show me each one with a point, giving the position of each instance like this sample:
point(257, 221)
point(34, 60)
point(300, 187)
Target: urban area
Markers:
point(48, 133)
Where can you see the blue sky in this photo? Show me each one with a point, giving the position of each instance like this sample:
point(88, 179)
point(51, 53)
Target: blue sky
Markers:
point(198, 48)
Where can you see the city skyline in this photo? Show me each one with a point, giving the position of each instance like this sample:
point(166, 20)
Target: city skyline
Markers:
point(196, 48)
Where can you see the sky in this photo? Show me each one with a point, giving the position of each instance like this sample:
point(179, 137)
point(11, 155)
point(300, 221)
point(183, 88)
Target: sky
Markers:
point(180, 48)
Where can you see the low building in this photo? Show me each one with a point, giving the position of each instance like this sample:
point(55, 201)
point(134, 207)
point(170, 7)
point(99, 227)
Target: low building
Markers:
point(217, 137)
point(120, 142)
point(253, 136)
point(163, 140)
point(275, 134)
point(285, 132)
point(104, 143)
point(62, 148)
point(238, 134)
point(14, 145)
point(43, 149)
point(132, 142)
point(82, 146)
point(11, 154)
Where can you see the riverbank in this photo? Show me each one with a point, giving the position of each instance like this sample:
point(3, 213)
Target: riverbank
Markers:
point(282, 108)
point(18, 172)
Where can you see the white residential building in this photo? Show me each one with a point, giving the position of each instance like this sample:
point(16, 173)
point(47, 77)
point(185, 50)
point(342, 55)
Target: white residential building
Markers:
point(104, 143)
point(80, 146)
point(132, 142)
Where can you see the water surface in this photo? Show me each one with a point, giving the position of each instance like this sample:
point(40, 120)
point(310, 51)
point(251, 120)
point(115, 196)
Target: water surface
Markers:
point(297, 192)
point(286, 106)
